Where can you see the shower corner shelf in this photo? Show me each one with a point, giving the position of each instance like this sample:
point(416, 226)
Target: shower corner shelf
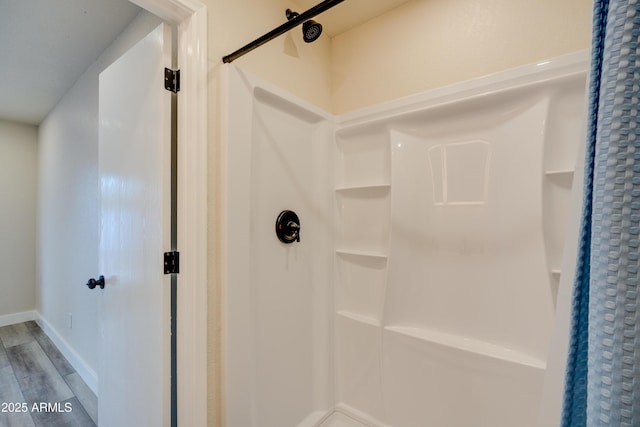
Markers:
point(556, 272)
point(361, 253)
point(359, 318)
point(370, 187)
point(559, 172)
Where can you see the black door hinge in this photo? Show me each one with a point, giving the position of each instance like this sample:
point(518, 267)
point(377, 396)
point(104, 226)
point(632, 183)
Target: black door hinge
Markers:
point(172, 80)
point(172, 262)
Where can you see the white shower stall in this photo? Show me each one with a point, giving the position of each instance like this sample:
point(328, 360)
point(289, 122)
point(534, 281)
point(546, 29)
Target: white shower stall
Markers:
point(423, 289)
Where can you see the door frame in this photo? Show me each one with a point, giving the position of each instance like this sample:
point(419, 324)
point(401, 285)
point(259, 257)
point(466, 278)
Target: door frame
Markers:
point(190, 18)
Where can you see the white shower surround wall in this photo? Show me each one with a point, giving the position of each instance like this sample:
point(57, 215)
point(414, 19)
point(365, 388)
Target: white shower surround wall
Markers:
point(423, 290)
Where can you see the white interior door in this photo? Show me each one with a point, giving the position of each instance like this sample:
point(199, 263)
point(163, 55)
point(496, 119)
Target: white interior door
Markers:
point(135, 180)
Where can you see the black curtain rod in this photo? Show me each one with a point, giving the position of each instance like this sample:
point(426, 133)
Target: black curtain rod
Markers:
point(294, 22)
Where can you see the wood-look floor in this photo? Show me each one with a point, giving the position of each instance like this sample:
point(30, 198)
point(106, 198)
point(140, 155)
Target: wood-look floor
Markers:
point(38, 387)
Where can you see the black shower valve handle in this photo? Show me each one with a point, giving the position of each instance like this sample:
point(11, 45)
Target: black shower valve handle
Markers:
point(92, 283)
point(288, 227)
point(294, 229)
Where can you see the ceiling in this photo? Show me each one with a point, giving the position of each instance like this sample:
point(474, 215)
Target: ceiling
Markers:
point(46, 45)
point(45, 48)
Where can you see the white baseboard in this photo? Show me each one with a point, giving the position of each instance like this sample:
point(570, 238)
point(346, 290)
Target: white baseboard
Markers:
point(11, 319)
point(89, 376)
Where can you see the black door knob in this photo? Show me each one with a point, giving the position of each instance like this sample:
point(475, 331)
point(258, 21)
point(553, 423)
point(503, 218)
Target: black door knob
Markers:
point(92, 283)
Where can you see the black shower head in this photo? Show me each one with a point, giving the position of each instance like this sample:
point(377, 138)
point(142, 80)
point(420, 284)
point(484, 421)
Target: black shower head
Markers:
point(311, 30)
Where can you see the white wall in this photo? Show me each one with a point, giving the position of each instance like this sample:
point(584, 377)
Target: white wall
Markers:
point(18, 188)
point(69, 200)
point(420, 45)
point(425, 44)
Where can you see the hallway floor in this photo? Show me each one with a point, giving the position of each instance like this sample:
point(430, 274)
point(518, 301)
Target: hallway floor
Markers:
point(38, 387)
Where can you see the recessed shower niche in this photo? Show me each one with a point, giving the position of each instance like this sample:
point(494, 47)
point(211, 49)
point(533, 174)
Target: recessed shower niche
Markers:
point(364, 220)
point(363, 158)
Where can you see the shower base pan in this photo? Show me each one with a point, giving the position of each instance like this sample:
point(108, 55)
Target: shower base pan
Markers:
point(338, 419)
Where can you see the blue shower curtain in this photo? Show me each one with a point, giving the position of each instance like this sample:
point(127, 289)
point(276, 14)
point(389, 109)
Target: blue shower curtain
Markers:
point(602, 386)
